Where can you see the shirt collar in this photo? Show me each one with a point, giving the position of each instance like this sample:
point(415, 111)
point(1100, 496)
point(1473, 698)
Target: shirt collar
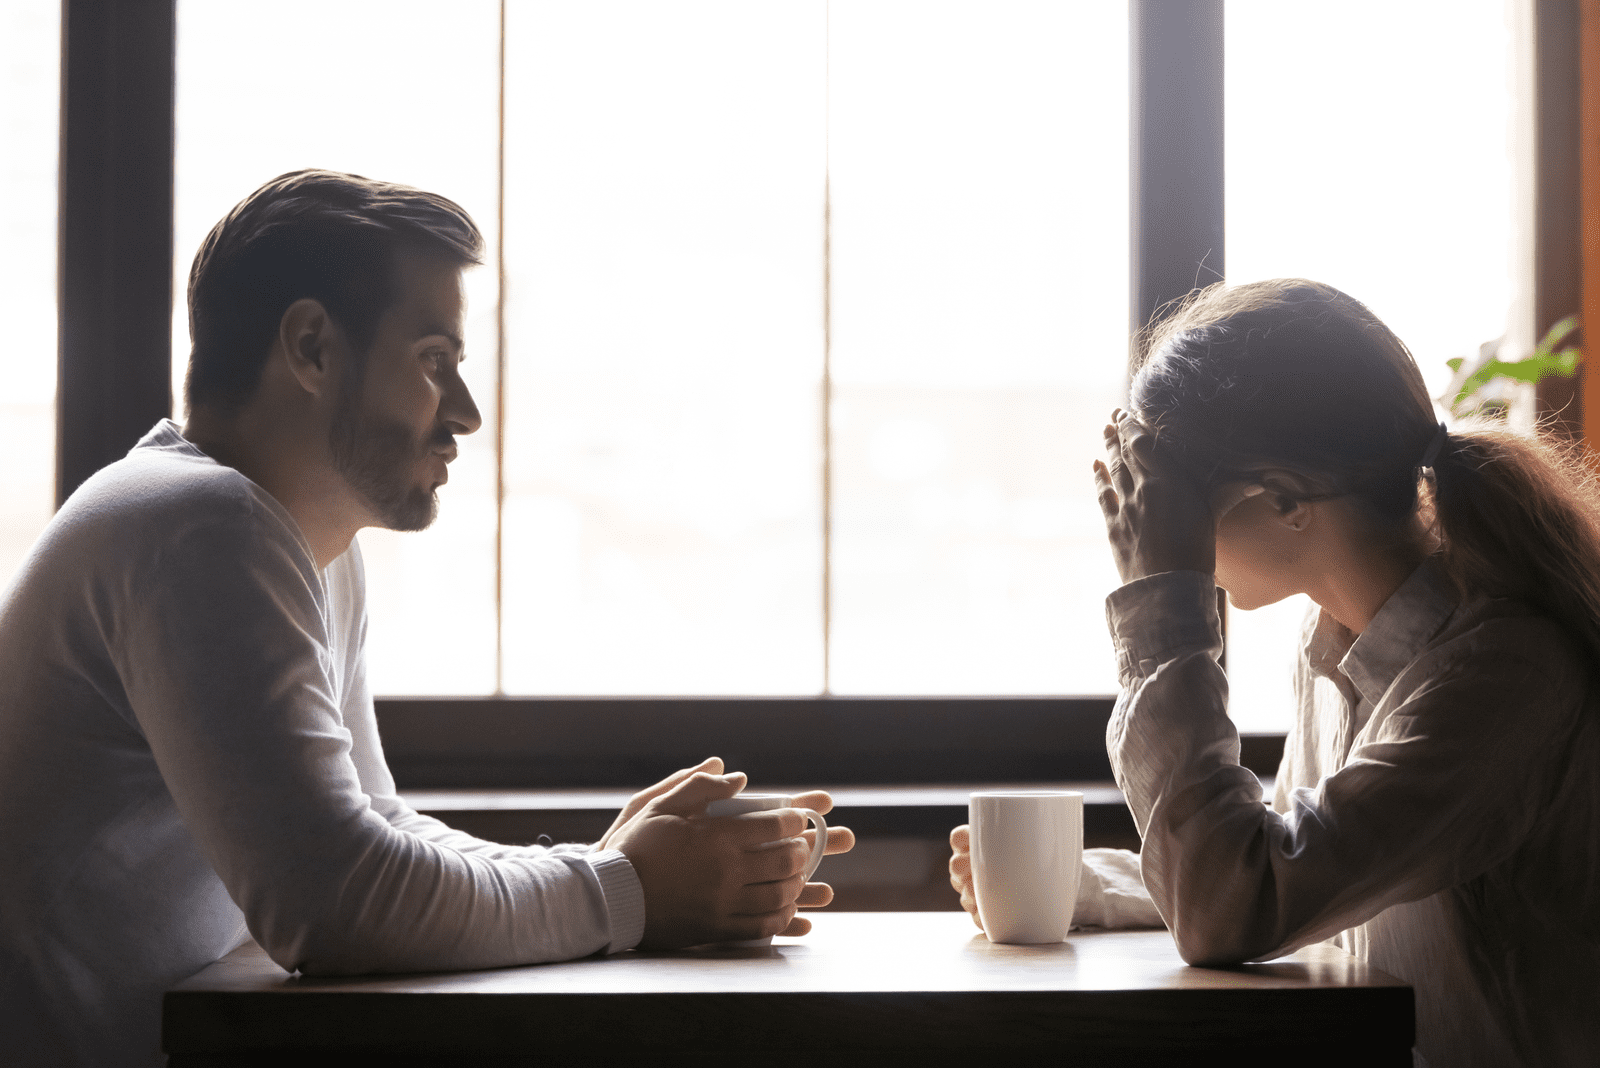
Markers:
point(1400, 631)
point(168, 435)
point(1327, 643)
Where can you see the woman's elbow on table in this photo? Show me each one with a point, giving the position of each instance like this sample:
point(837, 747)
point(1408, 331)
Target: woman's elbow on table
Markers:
point(1209, 949)
point(1211, 936)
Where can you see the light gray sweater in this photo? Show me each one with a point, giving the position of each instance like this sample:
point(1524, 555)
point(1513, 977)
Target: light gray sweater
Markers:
point(188, 750)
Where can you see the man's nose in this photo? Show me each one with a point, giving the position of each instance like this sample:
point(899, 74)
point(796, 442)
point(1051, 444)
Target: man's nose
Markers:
point(457, 409)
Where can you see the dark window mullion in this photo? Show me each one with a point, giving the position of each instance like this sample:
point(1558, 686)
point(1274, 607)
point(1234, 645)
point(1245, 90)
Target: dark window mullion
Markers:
point(1175, 168)
point(1175, 141)
point(115, 273)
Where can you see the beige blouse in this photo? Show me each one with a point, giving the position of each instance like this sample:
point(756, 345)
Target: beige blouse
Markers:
point(1437, 812)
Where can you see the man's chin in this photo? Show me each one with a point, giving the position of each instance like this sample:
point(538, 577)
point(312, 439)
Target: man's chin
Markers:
point(416, 512)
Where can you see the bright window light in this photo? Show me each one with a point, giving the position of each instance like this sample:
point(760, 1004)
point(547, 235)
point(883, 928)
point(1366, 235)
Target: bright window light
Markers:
point(1369, 147)
point(29, 105)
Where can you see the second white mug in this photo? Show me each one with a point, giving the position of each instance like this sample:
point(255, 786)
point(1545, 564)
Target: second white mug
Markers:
point(1027, 855)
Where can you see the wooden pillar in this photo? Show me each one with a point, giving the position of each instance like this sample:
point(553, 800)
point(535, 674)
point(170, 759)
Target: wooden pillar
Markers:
point(1557, 254)
point(115, 280)
point(1589, 207)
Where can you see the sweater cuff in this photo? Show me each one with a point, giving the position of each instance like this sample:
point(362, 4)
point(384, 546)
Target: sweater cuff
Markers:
point(1161, 617)
point(624, 898)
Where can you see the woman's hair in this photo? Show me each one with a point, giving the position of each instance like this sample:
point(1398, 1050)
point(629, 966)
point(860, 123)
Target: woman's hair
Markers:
point(1297, 376)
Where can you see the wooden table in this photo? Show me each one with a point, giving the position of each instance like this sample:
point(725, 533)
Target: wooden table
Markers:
point(919, 988)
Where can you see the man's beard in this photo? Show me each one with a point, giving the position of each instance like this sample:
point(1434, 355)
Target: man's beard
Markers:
point(377, 459)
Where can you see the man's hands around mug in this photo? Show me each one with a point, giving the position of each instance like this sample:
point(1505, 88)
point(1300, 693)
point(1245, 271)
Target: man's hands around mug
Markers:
point(719, 878)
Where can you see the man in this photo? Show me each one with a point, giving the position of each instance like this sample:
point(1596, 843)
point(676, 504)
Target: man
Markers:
point(188, 752)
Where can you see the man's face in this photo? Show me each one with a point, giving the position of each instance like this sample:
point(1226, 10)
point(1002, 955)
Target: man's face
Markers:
point(393, 434)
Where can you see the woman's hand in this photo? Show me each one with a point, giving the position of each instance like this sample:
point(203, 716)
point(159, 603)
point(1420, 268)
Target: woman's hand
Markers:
point(1156, 518)
point(961, 870)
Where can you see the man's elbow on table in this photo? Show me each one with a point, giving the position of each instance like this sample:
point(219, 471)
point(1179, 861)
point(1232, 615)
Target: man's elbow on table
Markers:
point(315, 947)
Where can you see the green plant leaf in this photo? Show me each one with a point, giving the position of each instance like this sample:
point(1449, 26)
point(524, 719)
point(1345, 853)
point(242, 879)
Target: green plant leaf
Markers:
point(1546, 361)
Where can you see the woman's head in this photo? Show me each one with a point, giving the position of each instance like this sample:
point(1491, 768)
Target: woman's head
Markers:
point(1290, 376)
point(1296, 386)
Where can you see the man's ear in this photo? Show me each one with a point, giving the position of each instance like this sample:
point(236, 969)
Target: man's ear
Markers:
point(312, 345)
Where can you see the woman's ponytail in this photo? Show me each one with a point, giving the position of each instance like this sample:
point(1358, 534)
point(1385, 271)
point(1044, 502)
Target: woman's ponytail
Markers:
point(1520, 517)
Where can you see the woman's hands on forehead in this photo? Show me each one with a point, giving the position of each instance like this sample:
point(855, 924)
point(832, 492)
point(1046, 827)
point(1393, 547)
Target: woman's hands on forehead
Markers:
point(1157, 518)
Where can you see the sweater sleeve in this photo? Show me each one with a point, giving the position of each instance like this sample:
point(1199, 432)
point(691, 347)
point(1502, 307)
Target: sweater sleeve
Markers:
point(1446, 783)
point(226, 647)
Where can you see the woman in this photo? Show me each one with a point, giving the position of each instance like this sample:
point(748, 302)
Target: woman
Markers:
point(1437, 812)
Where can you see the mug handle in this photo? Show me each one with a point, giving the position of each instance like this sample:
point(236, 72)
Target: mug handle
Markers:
point(822, 841)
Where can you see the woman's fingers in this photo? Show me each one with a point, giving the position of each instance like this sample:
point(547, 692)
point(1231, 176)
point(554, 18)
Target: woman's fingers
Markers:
point(961, 870)
point(1119, 477)
point(1157, 518)
point(1128, 451)
point(1138, 444)
point(1103, 491)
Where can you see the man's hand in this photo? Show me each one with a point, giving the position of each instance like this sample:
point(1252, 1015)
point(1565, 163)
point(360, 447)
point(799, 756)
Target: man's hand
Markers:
point(1156, 518)
point(720, 879)
point(710, 765)
point(961, 870)
point(840, 840)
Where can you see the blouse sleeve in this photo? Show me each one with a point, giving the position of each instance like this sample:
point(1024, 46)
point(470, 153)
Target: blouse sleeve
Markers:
point(1446, 781)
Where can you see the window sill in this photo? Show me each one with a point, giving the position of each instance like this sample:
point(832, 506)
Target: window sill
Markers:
point(902, 831)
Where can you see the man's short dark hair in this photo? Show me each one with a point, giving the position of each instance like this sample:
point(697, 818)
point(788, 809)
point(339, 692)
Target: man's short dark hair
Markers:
point(335, 238)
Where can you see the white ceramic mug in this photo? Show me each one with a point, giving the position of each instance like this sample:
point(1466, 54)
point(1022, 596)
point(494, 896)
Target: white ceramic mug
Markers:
point(1027, 852)
point(742, 803)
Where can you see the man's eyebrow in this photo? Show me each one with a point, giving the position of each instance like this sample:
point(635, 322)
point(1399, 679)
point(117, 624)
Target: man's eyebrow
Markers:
point(439, 331)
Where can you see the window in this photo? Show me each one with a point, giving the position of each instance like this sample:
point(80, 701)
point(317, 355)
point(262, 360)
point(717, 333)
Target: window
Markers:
point(917, 208)
point(715, 214)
